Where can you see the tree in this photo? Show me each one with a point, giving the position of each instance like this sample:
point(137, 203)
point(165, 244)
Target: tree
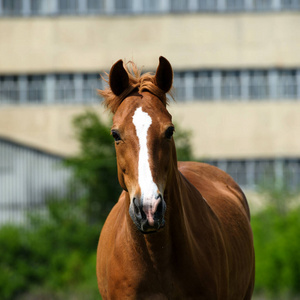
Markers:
point(95, 166)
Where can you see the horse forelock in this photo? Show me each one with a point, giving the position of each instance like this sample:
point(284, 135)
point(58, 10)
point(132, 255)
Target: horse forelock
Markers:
point(137, 82)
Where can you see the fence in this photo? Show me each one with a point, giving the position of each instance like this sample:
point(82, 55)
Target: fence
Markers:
point(27, 179)
point(114, 7)
point(202, 85)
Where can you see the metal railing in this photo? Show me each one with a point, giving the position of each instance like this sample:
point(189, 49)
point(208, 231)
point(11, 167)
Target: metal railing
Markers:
point(203, 85)
point(27, 8)
point(27, 179)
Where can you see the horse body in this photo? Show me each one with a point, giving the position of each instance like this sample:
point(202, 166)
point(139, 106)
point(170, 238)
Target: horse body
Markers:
point(199, 247)
point(204, 256)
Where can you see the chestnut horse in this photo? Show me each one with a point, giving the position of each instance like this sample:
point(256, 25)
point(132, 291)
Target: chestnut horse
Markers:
point(180, 230)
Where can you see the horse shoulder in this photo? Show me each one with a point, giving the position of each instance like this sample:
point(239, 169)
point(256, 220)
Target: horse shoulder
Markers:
point(215, 185)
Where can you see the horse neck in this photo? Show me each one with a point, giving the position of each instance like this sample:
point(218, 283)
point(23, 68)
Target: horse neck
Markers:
point(180, 196)
point(177, 195)
point(158, 247)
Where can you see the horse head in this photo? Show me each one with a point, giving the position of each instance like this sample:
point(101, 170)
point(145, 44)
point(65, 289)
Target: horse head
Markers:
point(143, 133)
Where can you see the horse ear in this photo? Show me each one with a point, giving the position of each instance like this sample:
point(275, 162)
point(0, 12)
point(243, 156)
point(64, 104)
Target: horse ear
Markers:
point(164, 75)
point(118, 78)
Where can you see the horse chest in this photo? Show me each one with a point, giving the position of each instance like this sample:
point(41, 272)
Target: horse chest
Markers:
point(144, 278)
point(149, 284)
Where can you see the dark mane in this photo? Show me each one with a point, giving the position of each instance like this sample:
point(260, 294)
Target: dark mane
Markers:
point(138, 82)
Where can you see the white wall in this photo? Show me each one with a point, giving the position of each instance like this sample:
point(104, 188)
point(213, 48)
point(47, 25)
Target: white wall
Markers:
point(72, 44)
point(258, 129)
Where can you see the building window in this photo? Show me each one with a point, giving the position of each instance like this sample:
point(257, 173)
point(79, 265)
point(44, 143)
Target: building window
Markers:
point(262, 5)
point(36, 89)
point(290, 4)
point(9, 89)
point(207, 5)
point(259, 88)
point(151, 6)
point(67, 7)
point(91, 83)
point(179, 5)
point(287, 84)
point(123, 6)
point(292, 173)
point(231, 85)
point(238, 171)
point(203, 86)
point(95, 6)
point(12, 7)
point(65, 89)
point(38, 7)
point(255, 173)
point(235, 5)
point(179, 85)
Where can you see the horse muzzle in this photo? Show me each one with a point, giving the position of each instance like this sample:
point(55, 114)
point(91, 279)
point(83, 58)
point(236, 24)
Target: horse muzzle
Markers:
point(148, 213)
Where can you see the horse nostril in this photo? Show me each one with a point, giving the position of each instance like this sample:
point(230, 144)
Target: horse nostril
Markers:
point(160, 207)
point(143, 215)
point(159, 210)
point(135, 206)
point(138, 211)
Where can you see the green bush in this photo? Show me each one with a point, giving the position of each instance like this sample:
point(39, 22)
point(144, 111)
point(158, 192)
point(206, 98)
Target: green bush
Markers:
point(277, 250)
point(57, 253)
point(183, 144)
point(95, 166)
point(14, 253)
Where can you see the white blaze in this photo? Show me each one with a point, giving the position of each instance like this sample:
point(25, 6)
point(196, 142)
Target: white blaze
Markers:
point(142, 122)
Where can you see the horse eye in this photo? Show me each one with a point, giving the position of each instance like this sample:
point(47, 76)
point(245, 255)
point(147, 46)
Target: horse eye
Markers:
point(169, 132)
point(116, 135)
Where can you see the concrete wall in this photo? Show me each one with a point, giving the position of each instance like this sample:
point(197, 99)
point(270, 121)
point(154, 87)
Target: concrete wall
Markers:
point(220, 130)
point(70, 44)
point(46, 128)
point(242, 130)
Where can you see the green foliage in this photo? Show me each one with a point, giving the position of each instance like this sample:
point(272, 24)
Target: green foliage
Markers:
point(95, 166)
point(14, 251)
point(56, 253)
point(183, 144)
point(277, 245)
point(278, 192)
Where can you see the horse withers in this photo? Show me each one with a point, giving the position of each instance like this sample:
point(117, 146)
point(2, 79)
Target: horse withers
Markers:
point(180, 230)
